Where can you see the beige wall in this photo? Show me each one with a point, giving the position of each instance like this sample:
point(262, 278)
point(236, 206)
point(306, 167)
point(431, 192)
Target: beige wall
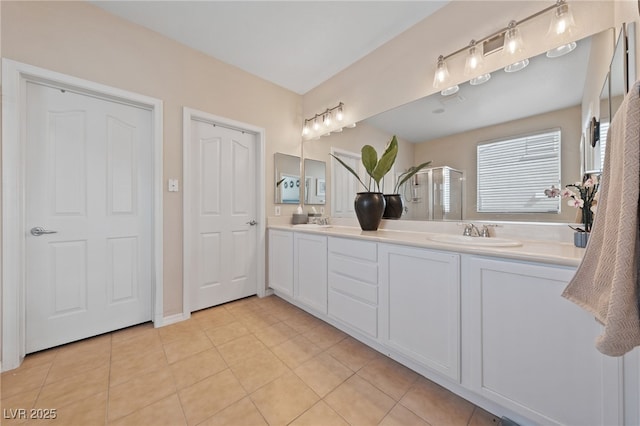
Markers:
point(81, 40)
point(459, 151)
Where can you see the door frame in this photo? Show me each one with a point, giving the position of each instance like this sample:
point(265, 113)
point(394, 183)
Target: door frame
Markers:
point(15, 76)
point(189, 114)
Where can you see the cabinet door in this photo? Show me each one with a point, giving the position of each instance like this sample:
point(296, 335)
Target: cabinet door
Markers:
point(310, 271)
point(281, 261)
point(420, 306)
point(532, 350)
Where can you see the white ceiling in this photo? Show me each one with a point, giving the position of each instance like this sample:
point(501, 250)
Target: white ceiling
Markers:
point(294, 44)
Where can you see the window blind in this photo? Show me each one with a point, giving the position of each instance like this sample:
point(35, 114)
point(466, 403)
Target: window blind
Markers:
point(604, 131)
point(513, 174)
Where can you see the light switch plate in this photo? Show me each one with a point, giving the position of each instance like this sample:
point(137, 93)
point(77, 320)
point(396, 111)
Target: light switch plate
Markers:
point(277, 212)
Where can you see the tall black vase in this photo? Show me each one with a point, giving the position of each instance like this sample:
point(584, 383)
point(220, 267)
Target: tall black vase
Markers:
point(393, 209)
point(369, 209)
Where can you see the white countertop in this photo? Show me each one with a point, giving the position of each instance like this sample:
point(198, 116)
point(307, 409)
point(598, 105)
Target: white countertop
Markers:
point(553, 252)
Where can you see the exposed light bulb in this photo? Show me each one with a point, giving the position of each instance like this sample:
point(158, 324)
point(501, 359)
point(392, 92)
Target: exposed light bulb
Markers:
point(316, 125)
point(305, 128)
point(326, 119)
point(562, 22)
point(475, 59)
point(441, 76)
point(513, 40)
point(340, 113)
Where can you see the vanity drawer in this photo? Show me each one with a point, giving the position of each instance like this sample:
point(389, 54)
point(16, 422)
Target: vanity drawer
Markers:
point(351, 268)
point(365, 250)
point(356, 314)
point(353, 287)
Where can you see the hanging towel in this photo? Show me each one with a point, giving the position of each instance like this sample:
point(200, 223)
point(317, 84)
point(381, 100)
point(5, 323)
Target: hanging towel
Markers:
point(606, 282)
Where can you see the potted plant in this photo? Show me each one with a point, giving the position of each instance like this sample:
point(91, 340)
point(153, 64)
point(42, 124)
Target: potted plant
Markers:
point(393, 209)
point(369, 205)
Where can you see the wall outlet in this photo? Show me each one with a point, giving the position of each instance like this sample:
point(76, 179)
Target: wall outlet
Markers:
point(277, 211)
point(172, 185)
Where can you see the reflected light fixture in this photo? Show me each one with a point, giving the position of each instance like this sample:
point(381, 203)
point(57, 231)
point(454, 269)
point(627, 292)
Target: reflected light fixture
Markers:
point(450, 90)
point(319, 122)
point(509, 41)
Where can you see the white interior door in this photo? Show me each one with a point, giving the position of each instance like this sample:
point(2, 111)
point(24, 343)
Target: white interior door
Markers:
point(344, 186)
point(223, 261)
point(89, 179)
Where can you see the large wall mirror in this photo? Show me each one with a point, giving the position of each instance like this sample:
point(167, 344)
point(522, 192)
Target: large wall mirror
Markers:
point(315, 191)
point(546, 95)
point(287, 178)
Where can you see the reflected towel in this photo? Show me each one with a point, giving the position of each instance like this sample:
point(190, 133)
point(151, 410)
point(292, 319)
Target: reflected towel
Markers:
point(606, 282)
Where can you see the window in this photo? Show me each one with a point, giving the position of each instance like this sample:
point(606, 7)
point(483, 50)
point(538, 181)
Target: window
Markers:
point(513, 174)
point(604, 131)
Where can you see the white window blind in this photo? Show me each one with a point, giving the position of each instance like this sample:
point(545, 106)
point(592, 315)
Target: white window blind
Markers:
point(604, 131)
point(513, 174)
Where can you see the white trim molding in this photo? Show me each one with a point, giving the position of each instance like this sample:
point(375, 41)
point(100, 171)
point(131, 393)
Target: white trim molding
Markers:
point(15, 76)
point(187, 116)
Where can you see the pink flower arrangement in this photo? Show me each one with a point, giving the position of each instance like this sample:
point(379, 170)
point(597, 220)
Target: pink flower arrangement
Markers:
point(580, 195)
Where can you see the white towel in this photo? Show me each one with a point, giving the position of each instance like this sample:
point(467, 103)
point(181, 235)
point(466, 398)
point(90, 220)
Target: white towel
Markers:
point(606, 283)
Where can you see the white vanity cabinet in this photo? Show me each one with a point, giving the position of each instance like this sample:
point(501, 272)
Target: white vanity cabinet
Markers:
point(310, 271)
point(420, 306)
point(353, 284)
point(531, 350)
point(281, 261)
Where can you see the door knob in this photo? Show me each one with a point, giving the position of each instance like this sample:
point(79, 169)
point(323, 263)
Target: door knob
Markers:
point(39, 230)
point(252, 223)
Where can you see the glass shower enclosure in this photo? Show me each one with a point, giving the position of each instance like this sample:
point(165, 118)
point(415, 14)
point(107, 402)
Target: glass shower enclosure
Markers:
point(434, 194)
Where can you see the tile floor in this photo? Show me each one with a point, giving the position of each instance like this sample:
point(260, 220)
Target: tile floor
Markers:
point(250, 362)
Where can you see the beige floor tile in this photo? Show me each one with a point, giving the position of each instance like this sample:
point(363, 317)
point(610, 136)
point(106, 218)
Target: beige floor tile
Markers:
point(86, 412)
point(23, 379)
point(241, 413)
point(71, 363)
point(401, 416)
point(275, 334)
point(359, 402)
point(197, 367)
point(211, 395)
point(325, 335)
point(167, 411)
point(191, 344)
point(241, 349)
point(178, 331)
point(320, 414)
point(436, 405)
point(388, 376)
point(323, 373)
point(75, 388)
point(284, 399)
point(481, 417)
point(147, 340)
point(137, 365)
point(303, 322)
point(259, 370)
point(352, 353)
point(295, 351)
point(13, 406)
point(257, 320)
point(139, 392)
point(37, 359)
point(131, 332)
point(213, 317)
point(284, 311)
point(226, 333)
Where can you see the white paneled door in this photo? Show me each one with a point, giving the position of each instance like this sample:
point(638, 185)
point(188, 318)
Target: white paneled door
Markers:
point(223, 253)
point(88, 216)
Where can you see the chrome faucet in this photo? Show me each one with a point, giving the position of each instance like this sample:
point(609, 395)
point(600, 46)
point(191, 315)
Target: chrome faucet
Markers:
point(470, 230)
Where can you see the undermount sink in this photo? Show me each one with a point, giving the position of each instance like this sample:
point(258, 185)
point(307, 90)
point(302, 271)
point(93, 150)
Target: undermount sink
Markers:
point(311, 226)
point(475, 241)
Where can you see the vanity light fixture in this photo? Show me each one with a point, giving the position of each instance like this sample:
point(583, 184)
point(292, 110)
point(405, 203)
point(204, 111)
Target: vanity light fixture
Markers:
point(510, 41)
point(450, 90)
point(326, 118)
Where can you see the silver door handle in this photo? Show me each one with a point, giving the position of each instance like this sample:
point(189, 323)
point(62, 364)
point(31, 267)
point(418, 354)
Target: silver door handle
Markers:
point(39, 230)
point(252, 223)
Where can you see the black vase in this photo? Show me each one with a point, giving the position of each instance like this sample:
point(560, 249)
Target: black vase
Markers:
point(393, 209)
point(369, 209)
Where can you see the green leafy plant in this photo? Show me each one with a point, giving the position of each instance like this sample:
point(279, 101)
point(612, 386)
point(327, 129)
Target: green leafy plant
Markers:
point(376, 168)
point(411, 171)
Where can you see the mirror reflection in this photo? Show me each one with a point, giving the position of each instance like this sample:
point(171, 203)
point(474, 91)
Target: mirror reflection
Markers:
point(287, 178)
point(314, 182)
point(447, 130)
